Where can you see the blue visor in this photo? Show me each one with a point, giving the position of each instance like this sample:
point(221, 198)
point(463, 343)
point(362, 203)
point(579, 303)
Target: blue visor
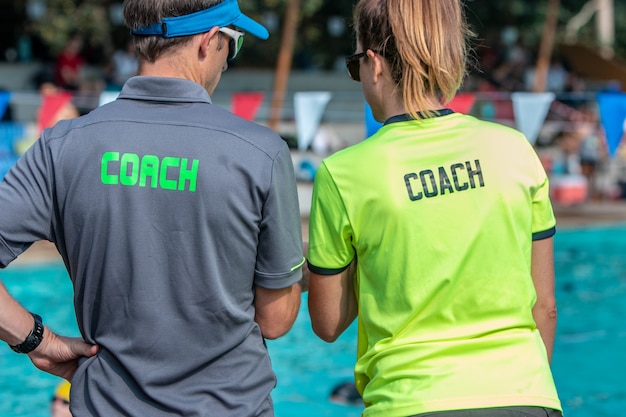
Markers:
point(223, 14)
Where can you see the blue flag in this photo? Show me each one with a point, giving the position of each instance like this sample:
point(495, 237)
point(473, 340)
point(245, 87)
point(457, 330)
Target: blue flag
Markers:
point(371, 125)
point(612, 115)
point(5, 97)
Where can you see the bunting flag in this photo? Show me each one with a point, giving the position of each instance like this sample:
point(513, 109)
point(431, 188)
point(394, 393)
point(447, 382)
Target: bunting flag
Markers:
point(371, 125)
point(107, 97)
point(246, 105)
point(51, 106)
point(309, 108)
point(10, 132)
point(462, 102)
point(5, 97)
point(530, 111)
point(612, 116)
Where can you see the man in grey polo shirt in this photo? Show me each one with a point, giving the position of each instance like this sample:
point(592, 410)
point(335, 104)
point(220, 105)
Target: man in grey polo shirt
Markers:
point(179, 226)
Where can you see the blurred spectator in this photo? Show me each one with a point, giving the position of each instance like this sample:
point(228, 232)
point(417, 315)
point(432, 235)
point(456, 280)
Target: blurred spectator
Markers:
point(516, 52)
point(346, 393)
point(556, 79)
point(513, 61)
point(56, 104)
point(621, 169)
point(557, 75)
point(60, 403)
point(124, 64)
point(567, 184)
point(592, 149)
point(567, 158)
point(69, 64)
point(576, 92)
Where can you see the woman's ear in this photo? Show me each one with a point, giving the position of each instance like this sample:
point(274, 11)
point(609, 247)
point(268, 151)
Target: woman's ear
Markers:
point(377, 63)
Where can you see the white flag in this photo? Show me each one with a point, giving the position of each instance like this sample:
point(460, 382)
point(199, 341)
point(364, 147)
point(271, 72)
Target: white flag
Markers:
point(309, 108)
point(107, 97)
point(530, 110)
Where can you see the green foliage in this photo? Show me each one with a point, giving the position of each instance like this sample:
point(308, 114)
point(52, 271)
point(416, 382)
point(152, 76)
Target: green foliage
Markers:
point(307, 7)
point(488, 17)
point(64, 17)
point(315, 47)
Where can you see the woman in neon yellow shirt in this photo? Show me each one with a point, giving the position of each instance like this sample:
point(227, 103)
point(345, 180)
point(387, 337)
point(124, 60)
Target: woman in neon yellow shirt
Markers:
point(437, 232)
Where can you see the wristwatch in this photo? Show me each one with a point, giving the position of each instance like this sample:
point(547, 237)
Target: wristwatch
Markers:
point(33, 339)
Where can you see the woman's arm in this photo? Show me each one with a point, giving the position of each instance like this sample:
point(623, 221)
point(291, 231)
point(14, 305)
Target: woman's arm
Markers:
point(332, 303)
point(544, 311)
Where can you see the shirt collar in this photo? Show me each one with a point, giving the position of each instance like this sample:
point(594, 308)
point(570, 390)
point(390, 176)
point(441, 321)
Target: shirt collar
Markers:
point(406, 117)
point(164, 89)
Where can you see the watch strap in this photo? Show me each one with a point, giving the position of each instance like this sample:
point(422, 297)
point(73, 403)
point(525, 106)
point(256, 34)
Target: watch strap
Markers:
point(33, 339)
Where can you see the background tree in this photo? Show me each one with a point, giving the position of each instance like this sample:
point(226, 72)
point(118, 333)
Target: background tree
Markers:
point(87, 18)
point(488, 17)
point(324, 33)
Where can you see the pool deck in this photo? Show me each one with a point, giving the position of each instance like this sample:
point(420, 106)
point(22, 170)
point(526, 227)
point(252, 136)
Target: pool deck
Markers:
point(582, 215)
point(591, 214)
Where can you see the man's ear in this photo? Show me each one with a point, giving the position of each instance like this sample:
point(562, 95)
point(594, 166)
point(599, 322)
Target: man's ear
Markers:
point(208, 41)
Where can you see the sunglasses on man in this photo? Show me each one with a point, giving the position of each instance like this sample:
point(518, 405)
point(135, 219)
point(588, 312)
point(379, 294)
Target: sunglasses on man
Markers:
point(235, 43)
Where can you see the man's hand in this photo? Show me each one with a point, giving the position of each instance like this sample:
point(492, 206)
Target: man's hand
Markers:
point(59, 355)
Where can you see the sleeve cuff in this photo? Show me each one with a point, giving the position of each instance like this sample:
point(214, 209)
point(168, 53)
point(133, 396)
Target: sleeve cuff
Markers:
point(326, 271)
point(544, 234)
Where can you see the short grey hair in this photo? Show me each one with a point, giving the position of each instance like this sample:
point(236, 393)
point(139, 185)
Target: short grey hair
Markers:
point(140, 13)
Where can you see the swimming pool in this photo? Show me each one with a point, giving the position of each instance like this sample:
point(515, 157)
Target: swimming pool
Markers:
point(589, 358)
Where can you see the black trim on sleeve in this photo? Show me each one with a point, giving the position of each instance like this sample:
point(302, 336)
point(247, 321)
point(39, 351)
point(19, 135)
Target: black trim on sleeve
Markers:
point(545, 234)
point(326, 271)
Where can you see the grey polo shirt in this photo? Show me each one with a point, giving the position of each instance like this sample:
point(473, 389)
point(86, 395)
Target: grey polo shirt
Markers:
point(167, 211)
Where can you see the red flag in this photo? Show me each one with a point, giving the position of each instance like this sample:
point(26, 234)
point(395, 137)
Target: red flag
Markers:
point(246, 105)
point(51, 106)
point(462, 102)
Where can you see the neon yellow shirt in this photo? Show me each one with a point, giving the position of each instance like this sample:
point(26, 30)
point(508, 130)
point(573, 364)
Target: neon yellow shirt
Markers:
point(441, 214)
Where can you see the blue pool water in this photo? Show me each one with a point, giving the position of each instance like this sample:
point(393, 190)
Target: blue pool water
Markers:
point(589, 360)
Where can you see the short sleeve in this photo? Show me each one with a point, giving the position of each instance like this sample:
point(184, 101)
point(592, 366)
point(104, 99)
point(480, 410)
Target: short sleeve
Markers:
point(279, 255)
point(544, 221)
point(330, 232)
point(25, 203)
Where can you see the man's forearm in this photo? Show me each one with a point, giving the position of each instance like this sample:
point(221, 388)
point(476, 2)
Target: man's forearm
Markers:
point(15, 322)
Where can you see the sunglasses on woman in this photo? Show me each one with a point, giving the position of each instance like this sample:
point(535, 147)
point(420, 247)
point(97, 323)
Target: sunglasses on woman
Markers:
point(235, 43)
point(353, 63)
